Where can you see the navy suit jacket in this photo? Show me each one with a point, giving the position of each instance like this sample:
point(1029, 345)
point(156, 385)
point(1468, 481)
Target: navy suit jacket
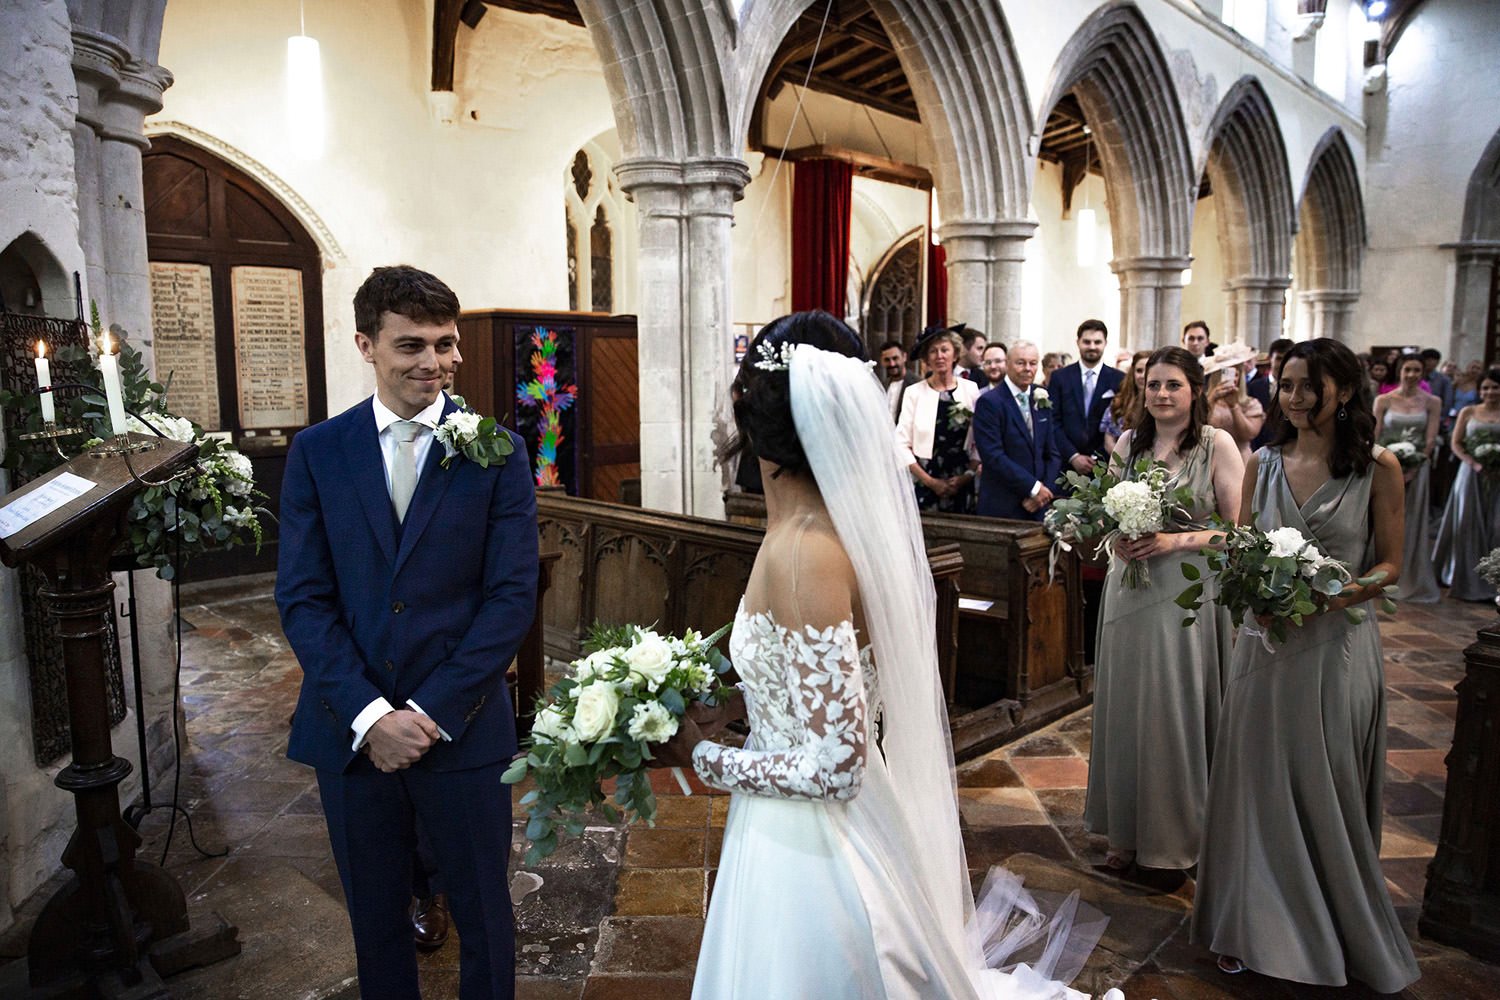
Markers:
point(431, 610)
point(1080, 427)
point(1012, 457)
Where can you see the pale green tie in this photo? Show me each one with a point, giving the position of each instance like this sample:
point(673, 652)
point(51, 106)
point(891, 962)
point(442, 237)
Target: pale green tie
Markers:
point(1024, 402)
point(404, 468)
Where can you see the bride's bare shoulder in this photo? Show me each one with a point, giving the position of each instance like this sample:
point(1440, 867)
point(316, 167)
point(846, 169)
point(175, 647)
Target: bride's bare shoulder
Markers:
point(810, 580)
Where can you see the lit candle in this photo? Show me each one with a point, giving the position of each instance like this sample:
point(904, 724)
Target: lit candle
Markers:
point(44, 382)
point(109, 367)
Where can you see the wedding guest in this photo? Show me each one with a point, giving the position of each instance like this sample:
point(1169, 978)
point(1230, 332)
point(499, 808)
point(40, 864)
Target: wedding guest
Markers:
point(993, 366)
point(1079, 393)
point(974, 343)
point(1470, 527)
point(1289, 876)
point(1276, 352)
point(1195, 337)
point(895, 374)
point(1439, 384)
point(1466, 387)
point(1413, 415)
point(1157, 685)
point(1124, 410)
point(1230, 407)
point(1017, 442)
point(932, 431)
point(1122, 358)
point(1051, 362)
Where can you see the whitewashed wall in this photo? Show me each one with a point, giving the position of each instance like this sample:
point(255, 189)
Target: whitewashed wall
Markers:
point(1428, 129)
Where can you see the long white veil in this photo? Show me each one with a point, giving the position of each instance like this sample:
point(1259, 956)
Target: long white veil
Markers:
point(913, 835)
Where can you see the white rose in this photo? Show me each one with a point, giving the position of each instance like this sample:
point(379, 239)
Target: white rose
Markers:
point(594, 717)
point(652, 722)
point(1039, 395)
point(1286, 542)
point(593, 665)
point(551, 723)
point(651, 657)
point(464, 425)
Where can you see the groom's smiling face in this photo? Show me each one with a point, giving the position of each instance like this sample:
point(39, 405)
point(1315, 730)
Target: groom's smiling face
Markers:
point(412, 361)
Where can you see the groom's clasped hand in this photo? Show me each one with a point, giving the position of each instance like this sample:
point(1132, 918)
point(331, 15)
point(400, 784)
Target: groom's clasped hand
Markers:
point(398, 739)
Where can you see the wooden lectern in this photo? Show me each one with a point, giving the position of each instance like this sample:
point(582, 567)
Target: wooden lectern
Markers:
point(120, 924)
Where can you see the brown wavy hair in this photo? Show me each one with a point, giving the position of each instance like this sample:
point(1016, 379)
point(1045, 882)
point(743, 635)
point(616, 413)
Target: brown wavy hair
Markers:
point(1145, 430)
point(1128, 403)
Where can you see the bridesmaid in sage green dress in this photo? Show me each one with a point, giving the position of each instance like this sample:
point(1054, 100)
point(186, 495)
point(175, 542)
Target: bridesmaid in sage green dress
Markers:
point(1409, 413)
point(1470, 527)
point(1157, 685)
point(1289, 879)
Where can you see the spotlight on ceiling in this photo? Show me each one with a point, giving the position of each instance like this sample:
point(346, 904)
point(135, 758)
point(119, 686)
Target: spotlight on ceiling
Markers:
point(1376, 9)
point(475, 10)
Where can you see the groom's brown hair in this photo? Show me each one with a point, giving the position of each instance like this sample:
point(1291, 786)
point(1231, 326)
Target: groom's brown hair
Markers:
point(406, 291)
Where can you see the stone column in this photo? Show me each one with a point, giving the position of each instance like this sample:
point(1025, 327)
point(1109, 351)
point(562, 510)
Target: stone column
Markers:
point(1150, 300)
point(1256, 305)
point(1472, 285)
point(1327, 312)
point(984, 274)
point(686, 360)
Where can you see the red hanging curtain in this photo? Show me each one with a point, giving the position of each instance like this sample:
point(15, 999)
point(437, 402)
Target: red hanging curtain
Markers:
point(822, 196)
point(937, 285)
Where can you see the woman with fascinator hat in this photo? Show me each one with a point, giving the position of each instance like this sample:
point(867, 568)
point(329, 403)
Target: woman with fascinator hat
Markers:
point(1230, 406)
point(842, 873)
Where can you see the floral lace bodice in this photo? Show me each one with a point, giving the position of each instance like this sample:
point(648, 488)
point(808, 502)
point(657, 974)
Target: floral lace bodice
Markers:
point(812, 700)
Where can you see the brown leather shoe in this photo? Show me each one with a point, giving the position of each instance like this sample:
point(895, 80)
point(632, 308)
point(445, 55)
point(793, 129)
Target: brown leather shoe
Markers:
point(429, 921)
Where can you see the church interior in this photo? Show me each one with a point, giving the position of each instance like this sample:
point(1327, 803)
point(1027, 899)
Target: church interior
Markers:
point(622, 193)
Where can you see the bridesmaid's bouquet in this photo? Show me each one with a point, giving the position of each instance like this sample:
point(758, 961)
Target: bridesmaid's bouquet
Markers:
point(1407, 449)
point(1277, 575)
point(1106, 505)
point(599, 722)
point(1485, 447)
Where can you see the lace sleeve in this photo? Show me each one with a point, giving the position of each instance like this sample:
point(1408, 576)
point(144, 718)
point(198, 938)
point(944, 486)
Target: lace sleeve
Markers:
point(825, 753)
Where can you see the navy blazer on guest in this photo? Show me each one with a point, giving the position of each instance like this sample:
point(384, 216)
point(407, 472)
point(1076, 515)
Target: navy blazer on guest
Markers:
point(1013, 458)
point(1080, 428)
point(431, 610)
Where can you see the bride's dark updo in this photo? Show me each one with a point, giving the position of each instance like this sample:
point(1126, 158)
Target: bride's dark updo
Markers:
point(762, 399)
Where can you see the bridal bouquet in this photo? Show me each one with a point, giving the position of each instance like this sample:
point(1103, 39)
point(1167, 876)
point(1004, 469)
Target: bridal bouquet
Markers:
point(1277, 575)
point(599, 722)
point(1106, 505)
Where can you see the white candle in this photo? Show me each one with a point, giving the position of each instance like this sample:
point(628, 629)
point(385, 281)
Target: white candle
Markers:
point(44, 382)
point(109, 367)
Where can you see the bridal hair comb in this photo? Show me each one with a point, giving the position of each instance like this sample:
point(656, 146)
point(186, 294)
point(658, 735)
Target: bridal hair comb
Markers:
point(775, 357)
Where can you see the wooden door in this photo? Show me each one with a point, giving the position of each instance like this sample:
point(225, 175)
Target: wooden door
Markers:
point(237, 312)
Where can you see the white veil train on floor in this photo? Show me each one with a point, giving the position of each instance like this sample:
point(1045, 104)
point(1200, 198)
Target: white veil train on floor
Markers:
point(912, 840)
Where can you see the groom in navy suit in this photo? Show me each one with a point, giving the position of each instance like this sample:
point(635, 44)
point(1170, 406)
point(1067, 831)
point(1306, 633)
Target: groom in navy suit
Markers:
point(1081, 393)
point(1017, 441)
point(405, 589)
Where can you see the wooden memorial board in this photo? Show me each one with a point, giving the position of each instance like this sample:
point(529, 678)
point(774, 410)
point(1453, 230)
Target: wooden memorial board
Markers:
point(182, 320)
point(269, 347)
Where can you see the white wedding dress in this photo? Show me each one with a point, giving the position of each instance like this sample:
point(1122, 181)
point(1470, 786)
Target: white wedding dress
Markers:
point(842, 873)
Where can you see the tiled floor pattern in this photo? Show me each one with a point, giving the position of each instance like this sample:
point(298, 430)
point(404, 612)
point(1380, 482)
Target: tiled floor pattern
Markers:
point(620, 913)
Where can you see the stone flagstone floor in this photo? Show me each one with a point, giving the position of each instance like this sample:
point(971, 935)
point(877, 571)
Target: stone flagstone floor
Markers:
point(619, 913)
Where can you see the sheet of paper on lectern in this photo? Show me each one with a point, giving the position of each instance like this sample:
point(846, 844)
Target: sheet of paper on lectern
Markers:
point(41, 501)
point(973, 604)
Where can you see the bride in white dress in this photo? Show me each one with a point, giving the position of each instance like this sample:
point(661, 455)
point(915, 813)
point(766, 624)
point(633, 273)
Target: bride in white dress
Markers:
point(842, 872)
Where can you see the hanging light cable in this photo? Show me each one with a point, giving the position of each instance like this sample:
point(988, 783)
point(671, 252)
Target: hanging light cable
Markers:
point(304, 91)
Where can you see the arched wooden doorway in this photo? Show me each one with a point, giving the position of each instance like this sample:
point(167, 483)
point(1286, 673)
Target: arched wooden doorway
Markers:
point(237, 314)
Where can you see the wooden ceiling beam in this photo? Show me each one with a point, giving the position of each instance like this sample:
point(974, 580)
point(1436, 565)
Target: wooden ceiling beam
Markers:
point(444, 41)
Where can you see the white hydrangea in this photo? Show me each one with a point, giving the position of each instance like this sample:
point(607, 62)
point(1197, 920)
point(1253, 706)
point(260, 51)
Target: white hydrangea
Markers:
point(240, 479)
point(176, 428)
point(652, 722)
point(1135, 507)
point(1286, 541)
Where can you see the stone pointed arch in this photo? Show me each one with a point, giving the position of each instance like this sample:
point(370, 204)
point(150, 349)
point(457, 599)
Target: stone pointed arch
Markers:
point(1115, 67)
point(1246, 163)
point(1478, 253)
point(1330, 240)
point(966, 78)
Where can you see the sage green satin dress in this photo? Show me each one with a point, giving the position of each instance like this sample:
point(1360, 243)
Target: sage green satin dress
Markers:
point(1289, 878)
point(1418, 581)
point(1157, 688)
point(1469, 529)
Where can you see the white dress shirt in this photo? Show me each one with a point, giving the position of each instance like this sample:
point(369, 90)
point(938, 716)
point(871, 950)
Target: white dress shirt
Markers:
point(384, 418)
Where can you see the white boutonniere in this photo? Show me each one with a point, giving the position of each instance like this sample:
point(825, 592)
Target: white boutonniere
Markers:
point(479, 439)
point(1040, 400)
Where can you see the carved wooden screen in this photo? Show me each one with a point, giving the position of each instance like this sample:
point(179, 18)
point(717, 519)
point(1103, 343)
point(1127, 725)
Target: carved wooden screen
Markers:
point(893, 302)
point(237, 305)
